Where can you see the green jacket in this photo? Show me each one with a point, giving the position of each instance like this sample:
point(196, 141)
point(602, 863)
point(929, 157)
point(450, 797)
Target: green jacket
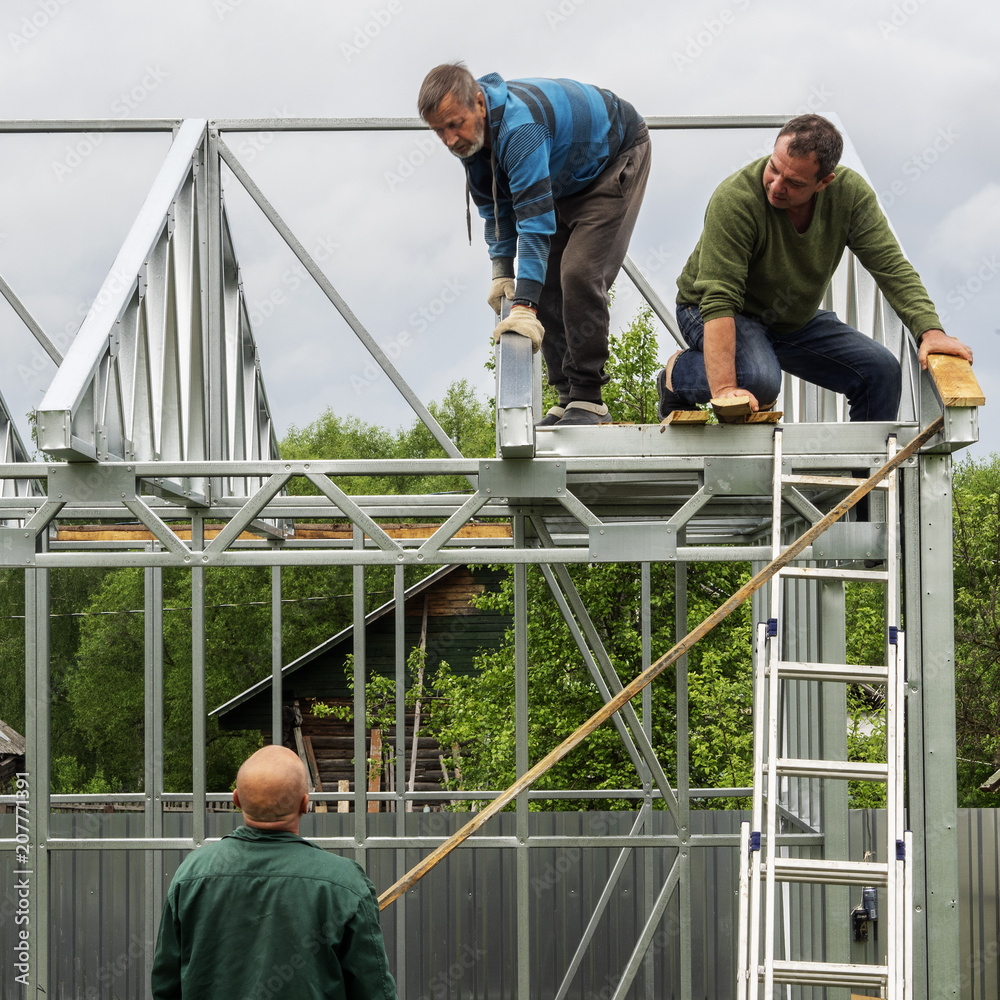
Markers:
point(261, 915)
point(751, 261)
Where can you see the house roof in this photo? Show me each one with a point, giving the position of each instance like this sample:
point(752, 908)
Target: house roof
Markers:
point(11, 741)
point(324, 647)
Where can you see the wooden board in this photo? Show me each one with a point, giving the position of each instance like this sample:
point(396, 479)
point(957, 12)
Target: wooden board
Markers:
point(955, 382)
point(736, 410)
point(730, 407)
point(689, 417)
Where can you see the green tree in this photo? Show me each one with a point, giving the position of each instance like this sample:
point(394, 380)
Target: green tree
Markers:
point(976, 491)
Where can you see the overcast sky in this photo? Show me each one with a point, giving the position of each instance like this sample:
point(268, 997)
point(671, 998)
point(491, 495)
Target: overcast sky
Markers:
point(913, 82)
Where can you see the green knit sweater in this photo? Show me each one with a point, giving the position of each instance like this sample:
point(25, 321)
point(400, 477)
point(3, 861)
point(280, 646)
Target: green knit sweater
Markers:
point(750, 259)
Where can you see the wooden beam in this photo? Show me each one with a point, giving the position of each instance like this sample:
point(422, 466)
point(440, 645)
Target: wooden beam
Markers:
point(955, 382)
point(139, 533)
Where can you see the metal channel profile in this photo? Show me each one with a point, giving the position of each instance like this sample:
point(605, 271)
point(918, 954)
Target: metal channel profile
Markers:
point(515, 413)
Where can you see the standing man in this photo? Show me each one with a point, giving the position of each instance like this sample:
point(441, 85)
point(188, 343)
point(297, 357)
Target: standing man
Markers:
point(748, 298)
point(263, 913)
point(557, 170)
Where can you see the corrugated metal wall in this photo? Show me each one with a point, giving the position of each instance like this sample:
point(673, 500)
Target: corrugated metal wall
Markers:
point(460, 930)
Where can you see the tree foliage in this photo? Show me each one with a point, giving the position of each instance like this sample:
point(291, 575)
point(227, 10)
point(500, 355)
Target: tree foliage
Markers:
point(976, 491)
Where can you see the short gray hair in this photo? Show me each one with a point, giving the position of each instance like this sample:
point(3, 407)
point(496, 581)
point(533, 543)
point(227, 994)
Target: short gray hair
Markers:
point(817, 136)
point(448, 78)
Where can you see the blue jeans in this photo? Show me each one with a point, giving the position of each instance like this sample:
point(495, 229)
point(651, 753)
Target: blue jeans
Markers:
point(825, 351)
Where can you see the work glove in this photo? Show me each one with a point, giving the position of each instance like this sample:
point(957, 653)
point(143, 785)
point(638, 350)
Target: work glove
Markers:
point(522, 320)
point(499, 288)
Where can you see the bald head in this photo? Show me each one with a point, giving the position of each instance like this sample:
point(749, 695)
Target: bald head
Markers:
point(272, 789)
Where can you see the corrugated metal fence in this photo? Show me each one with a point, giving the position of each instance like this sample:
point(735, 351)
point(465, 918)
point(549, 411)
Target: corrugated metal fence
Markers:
point(460, 928)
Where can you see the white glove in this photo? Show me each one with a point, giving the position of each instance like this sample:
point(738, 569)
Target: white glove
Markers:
point(499, 288)
point(522, 320)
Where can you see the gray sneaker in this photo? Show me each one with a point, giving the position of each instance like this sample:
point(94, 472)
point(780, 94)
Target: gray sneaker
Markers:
point(552, 417)
point(580, 413)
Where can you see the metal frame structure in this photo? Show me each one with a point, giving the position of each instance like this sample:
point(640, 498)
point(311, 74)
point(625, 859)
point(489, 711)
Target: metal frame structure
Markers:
point(160, 411)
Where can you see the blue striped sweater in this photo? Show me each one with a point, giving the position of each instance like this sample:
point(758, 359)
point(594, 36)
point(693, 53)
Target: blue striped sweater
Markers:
point(551, 138)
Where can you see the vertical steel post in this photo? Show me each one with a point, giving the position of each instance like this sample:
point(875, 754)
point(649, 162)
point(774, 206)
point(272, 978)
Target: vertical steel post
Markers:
point(360, 708)
point(683, 781)
point(522, 763)
point(399, 594)
point(916, 817)
point(153, 750)
point(198, 685)
point(213, 303)
point(276, 656)
point(939, 833)
point(33, 870)
point(648, 866)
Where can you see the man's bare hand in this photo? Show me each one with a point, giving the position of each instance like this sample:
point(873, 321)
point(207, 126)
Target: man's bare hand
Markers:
point(737, 391)
point(938, 342)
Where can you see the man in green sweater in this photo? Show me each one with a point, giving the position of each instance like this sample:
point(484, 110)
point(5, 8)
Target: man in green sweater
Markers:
point(263, 913)
point(748, 298)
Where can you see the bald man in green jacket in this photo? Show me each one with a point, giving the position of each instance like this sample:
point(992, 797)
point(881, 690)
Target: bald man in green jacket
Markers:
point(263, 913)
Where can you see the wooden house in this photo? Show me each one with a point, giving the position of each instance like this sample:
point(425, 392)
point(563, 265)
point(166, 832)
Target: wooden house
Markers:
point(11, 754)
point(440, 609)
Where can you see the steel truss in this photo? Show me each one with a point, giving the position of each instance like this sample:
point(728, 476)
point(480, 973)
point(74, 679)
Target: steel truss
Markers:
point(160, 408)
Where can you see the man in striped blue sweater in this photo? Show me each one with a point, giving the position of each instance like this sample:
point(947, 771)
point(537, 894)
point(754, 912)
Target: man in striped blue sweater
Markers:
point(557, 170)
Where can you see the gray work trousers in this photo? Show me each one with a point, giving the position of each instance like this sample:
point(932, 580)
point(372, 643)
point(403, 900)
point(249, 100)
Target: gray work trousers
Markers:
point(593, 228)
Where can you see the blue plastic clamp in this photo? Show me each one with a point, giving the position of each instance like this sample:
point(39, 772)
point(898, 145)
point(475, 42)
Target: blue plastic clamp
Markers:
point(772, 626)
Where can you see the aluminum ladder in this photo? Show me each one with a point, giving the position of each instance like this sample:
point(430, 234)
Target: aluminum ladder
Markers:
point(763, 864)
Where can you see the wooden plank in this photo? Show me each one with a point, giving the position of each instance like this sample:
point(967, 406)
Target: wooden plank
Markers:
point(955, 381)
point(139, 533)
point(687, 417)
point(343, 805)
point(375, 767)
point(736, 410)
point(320, 807)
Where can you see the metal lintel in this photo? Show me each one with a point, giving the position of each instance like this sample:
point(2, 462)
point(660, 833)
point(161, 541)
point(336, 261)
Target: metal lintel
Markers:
point(635, 542)
point(735, 476)
point(515, 415)
point(85, 482)
point(519, 478)
point(852, 540)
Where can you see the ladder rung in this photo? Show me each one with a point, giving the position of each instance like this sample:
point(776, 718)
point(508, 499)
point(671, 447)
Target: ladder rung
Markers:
point(844, 769)
point(829, 974)
point(831, 872)
point(831, 573)
point(849, 673)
